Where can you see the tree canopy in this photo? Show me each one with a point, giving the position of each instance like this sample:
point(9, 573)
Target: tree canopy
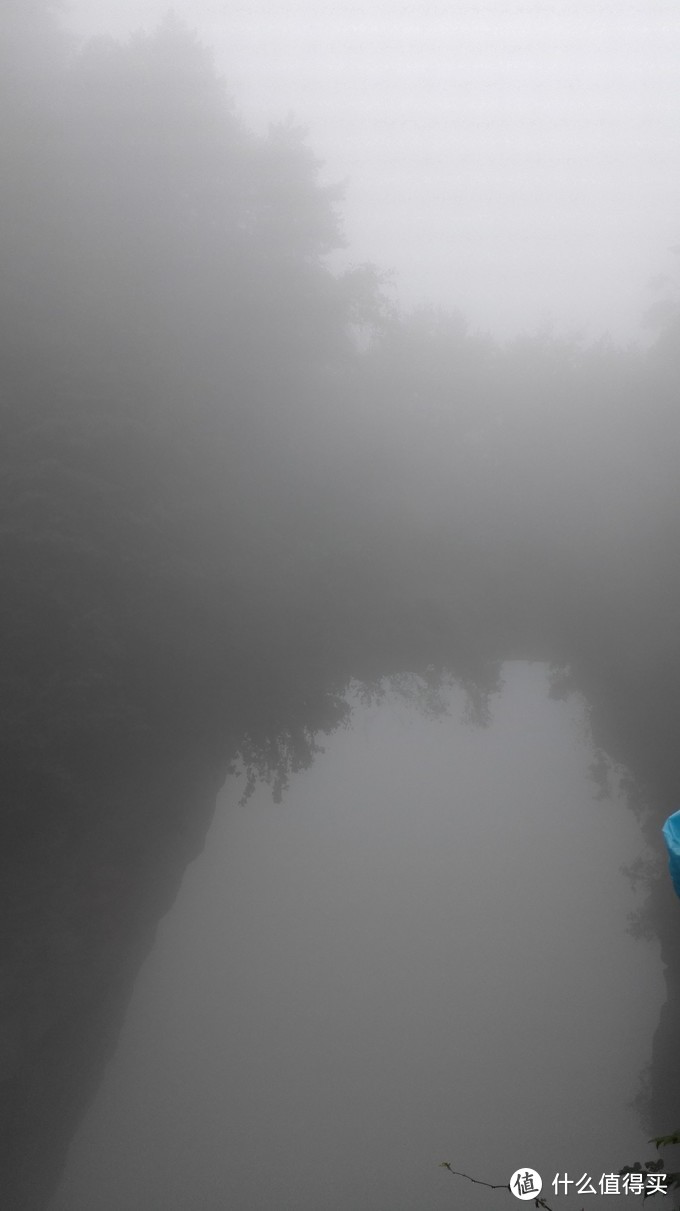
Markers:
point(233, 481)
point(219, 503)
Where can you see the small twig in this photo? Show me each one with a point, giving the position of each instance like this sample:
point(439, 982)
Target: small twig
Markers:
point(538, 1202)
point(476, 1180)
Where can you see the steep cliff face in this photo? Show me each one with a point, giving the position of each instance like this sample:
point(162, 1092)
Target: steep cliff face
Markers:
point(87, 872)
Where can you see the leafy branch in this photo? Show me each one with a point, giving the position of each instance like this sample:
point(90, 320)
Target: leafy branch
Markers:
point(654, 1166)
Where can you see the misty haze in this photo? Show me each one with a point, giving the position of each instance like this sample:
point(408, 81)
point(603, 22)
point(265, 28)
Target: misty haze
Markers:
point(414, 958)
point(341, 665)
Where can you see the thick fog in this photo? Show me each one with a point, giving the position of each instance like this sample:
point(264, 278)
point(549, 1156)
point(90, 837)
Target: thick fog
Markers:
point(516, 159)
point(253, 493)
point(420, 955)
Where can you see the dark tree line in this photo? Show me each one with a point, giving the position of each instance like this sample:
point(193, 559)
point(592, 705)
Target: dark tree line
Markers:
point(233, 480)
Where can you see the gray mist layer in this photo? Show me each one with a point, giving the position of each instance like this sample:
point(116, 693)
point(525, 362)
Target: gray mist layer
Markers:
point(513, 158)
point(421, 955)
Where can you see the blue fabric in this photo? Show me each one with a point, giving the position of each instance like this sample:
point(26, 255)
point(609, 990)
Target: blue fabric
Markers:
point(671, 835)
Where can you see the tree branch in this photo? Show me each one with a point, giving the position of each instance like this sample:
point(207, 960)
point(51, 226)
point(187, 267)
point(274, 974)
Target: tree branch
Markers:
point(538, 1202)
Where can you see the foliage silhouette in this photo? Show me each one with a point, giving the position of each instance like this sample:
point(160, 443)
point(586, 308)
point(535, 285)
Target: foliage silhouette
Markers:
point(234, 482)
point(672, 1180)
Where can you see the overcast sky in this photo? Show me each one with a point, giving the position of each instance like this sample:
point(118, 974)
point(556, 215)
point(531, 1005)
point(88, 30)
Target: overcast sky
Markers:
point(515, 158)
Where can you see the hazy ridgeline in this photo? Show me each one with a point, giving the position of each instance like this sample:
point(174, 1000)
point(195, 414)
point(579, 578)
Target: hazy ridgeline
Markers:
point(233, 481)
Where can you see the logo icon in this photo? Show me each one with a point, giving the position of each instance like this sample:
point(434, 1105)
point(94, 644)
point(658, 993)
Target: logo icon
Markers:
point(525, 1184)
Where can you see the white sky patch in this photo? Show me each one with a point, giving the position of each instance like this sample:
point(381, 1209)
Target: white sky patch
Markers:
point(518, 159)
